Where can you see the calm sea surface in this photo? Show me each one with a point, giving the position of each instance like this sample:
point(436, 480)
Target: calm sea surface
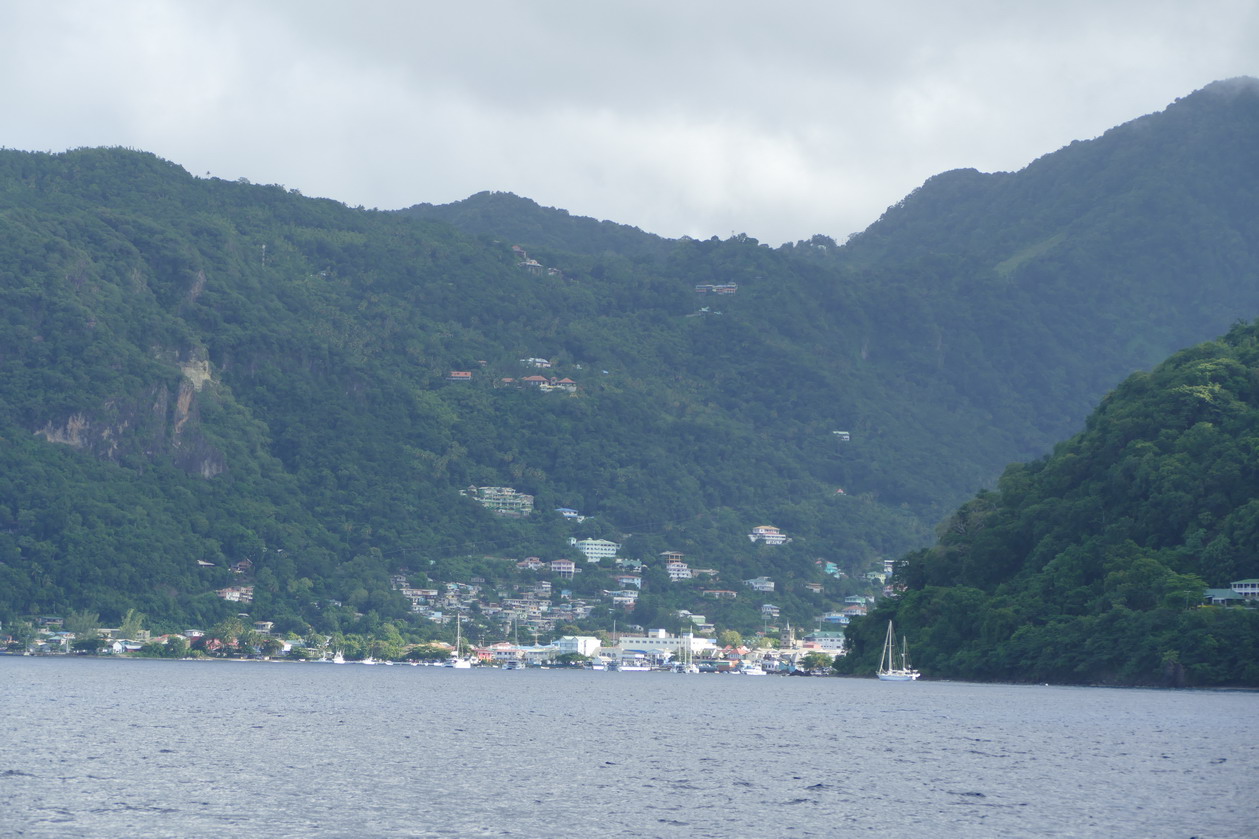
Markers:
point(98, 748)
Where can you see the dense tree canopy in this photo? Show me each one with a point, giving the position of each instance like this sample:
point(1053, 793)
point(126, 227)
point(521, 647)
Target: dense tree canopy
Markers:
point(195, 372)
point(1091, 564)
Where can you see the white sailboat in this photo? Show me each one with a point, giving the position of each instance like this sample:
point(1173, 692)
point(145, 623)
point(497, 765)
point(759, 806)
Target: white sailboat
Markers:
point(894, 665)
point(456, 660)
point(686, 658)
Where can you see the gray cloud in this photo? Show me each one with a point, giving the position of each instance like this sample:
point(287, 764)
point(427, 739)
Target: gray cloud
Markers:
point(702, 119)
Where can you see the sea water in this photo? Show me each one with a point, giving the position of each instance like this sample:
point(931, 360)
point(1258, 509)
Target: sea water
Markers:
point(105, 748)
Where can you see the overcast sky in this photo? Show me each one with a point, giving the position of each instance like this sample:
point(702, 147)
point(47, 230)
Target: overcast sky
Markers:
point(779, 120)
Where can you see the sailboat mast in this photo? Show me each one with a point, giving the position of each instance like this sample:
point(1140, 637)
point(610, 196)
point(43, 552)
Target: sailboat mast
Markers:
point(887, 661)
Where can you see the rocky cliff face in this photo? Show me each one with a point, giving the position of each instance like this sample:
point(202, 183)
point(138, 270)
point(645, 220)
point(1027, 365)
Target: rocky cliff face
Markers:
point(162, 421)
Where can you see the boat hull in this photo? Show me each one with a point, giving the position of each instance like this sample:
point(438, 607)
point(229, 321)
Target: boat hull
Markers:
point(897, 677)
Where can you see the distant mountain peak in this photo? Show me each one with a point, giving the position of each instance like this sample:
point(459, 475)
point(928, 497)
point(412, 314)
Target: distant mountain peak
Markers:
point(1231, 87)
point(525, 221)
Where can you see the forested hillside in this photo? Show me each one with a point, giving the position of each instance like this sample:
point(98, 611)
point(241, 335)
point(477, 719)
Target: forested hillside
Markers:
point(194, 372)
point(1090, 565)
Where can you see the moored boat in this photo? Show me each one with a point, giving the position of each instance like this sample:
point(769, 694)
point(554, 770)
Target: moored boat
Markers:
point(894, 664)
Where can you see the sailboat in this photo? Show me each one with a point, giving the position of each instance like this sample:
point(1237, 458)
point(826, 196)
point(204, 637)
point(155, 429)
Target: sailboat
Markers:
point(894, 665)
point(457, 661)
point(514, 663)
point(686, 661)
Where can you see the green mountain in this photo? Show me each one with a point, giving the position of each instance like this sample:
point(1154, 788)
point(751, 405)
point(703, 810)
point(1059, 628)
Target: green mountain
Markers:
point(1089, 565)
point(517, 219)
point(195, 372)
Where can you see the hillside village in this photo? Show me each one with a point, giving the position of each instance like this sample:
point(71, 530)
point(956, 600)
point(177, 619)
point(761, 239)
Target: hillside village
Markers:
point(550, 602)
point(540, 599)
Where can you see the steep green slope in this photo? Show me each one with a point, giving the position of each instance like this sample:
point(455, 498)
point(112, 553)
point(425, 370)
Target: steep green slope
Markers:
point(1090, 565)
point(244, 373)
point(206, 371)
point(1105, 256)
point(980, 319)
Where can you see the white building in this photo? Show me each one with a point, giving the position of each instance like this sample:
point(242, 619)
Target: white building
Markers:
point(760, 584)
point(586, 645)
point(1248, 589)
point(658, 642)
point(627, 580)
point(237, 594)
point(623, 597)
point(768, 534)
point(595, 549)
point(502, 500)
point(830, 642)
point(677, 570)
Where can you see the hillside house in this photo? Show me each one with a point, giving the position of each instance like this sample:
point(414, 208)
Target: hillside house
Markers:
point(719, 594)
point(829, 568)
point(768, 534)
point(542, 383)
point(625, 598)
point(627, 580)
point(1222, 597)
point(763, 584)
point(502, 500)
point(539, 363)
point(531, 563)
point(595, 549)
point(237, 594)
point(419, 597)
point(677, 570)
point(459, 376)
point(1248, 589)
point(564, 568)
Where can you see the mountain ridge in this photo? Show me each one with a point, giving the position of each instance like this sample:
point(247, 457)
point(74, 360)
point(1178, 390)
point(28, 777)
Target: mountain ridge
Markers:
point(324, 337)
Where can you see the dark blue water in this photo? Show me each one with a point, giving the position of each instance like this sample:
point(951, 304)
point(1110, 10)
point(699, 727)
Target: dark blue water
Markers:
point(98, 748)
